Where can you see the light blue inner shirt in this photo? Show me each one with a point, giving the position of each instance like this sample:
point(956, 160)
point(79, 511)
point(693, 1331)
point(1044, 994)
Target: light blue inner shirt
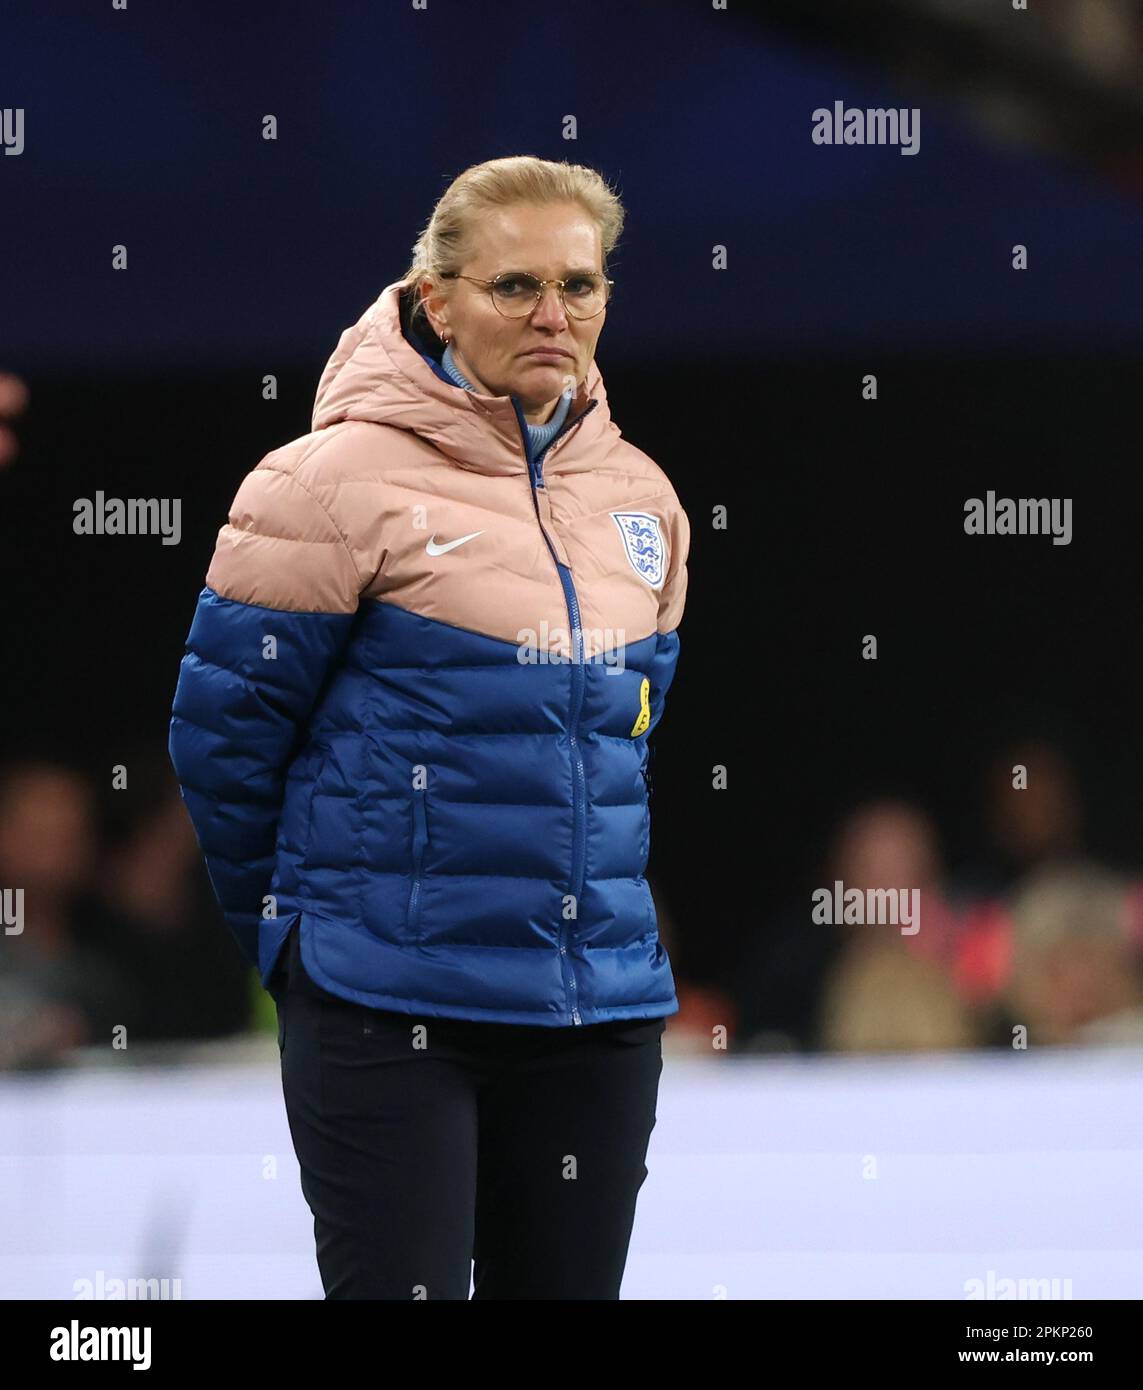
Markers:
point(539, 436)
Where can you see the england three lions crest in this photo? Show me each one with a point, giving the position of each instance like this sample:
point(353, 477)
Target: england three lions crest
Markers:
point(643, 542)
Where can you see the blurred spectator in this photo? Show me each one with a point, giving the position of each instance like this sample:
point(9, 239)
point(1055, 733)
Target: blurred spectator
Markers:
point(1027, 829)
point(156, 917)
point(1024, 827)
point(1075, 974)
point(1039, 823)
point(882, 998)
point(55, 994)
point(13, 403)
point(889, 991)
point(797, 975)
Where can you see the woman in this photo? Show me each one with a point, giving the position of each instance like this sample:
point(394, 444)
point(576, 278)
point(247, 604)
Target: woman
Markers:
point(411, 728)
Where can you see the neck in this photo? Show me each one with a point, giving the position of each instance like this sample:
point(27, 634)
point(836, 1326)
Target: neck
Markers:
point(546, 416)
point(541, 414)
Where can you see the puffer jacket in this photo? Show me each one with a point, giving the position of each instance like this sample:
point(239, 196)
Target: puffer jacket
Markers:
point(414, 707)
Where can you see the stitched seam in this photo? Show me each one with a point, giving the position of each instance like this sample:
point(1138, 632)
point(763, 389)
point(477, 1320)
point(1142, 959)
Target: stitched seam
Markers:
point(291, 476)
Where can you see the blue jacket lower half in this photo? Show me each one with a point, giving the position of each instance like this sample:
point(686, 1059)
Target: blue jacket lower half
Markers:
point(457, 833)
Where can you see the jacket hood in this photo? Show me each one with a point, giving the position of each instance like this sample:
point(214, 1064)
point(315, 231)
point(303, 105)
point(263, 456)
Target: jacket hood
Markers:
point(377, 374)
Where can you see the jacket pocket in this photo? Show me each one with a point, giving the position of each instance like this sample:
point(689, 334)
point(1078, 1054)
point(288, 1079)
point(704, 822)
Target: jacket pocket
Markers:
point(314, 763)
point(420, 840)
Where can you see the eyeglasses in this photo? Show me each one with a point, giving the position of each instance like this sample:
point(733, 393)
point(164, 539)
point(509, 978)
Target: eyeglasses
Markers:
point(515, 293)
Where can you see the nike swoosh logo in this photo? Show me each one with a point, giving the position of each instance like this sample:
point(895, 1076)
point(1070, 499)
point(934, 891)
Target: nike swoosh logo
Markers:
point(433, 549)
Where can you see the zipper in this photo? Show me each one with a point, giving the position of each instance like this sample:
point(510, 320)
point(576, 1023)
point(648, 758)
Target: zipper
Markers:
point(557, 438)
point(579, 779)
point(647, 812)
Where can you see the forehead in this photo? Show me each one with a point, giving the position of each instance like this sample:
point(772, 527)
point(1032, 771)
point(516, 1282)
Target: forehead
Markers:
point(549, 239)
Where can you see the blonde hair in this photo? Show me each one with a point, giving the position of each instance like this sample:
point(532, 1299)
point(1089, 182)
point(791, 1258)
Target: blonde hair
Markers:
point(446, 243)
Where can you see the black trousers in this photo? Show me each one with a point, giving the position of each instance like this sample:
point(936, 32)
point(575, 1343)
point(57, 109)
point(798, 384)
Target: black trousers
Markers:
point(434, 1150)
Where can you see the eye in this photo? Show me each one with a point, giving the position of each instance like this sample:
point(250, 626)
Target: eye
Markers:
point(513, 286)
point(580, 284)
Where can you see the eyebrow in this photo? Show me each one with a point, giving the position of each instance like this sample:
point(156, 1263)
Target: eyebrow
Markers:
point(576, 270)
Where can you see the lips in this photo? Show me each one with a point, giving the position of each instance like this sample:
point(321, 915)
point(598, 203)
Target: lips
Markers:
point(549, 354)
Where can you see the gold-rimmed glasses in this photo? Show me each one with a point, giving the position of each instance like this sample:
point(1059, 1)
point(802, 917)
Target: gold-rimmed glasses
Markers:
point(515, 293)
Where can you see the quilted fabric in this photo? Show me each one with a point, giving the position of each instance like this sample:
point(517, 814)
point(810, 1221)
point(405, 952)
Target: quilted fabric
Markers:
point(414, 707)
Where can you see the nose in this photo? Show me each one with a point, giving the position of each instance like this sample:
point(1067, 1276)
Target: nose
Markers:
point(549, 313)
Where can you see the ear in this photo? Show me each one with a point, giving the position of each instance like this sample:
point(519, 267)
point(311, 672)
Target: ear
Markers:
point(436, 308)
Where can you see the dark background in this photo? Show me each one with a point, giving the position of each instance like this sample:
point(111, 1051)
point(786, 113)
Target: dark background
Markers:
point(845, 516)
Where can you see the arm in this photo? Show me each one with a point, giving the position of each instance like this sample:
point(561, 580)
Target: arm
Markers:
point(274, 617)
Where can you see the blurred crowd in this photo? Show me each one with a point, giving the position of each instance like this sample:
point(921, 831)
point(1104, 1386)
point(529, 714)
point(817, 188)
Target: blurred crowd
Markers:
point(115, 937)
point(1037, 943)
point(118, 935)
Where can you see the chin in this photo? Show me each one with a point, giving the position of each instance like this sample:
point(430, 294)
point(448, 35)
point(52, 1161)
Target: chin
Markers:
point(553, 378)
